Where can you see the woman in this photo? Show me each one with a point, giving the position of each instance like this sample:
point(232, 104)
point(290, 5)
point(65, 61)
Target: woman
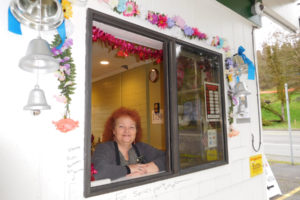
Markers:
point(122, 153)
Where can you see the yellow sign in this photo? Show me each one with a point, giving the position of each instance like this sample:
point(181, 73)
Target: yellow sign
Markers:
point(256, 165)
point(212, 154)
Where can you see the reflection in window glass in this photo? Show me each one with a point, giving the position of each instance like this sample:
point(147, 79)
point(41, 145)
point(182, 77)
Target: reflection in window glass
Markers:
point(201, 138)
point(132, 77)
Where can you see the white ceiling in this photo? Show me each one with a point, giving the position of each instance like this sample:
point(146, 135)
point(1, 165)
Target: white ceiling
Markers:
point(102, 52)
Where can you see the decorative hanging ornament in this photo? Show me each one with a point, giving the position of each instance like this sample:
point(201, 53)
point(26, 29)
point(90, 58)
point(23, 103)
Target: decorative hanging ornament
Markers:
point(65, 125)
point(43, 16)
point(37, 101)
point(39, 57)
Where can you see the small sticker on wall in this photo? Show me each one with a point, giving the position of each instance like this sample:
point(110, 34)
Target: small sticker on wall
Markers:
point(212, 138)
point(256, 165)
point(157, 118)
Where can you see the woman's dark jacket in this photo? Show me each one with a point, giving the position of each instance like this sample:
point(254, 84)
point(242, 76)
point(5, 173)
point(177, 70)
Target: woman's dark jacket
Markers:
point(105, 159)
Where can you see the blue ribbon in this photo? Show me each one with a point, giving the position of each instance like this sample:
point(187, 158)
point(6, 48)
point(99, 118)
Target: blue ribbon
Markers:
point(62, 33)
point(251, 67)
point(14, 25)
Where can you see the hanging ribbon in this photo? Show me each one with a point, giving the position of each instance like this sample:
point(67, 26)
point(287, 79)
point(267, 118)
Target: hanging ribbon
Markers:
point(251, 67)
point(62, 33)
point(14, 25)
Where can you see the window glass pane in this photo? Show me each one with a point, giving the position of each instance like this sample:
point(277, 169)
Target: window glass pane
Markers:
point(132, 78)
point(201, 138)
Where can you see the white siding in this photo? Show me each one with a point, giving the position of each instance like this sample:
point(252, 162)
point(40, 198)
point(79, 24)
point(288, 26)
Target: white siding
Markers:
point(40, 163)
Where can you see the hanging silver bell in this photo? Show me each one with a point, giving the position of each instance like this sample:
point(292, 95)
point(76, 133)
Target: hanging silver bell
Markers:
point(37, 101)
point(241, 89)
point(43, 16)
point(39, 57)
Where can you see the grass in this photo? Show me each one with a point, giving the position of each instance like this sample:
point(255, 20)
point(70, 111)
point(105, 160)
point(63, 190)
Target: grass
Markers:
point(276, 105)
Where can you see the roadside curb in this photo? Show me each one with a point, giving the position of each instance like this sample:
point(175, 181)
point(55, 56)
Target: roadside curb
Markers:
point(282, 162)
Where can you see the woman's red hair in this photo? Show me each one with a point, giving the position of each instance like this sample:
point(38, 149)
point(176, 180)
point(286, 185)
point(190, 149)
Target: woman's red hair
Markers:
point(110, 123)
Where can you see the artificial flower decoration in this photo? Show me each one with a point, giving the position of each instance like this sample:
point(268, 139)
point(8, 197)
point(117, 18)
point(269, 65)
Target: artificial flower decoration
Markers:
point(233, 132)
point(162, 21)
point(152, 17)
point(93, 171)
point(121, 6)
point(125, 48)
point(188, 31)
point(170, 22)
point(66, 77)
point(67, 8)
point(179, 21)
point(60, 98)
point(131, 9)
point(113, 3)
point(65, 125)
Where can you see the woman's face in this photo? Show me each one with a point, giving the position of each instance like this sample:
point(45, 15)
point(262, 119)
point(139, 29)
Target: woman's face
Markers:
point(125, 130)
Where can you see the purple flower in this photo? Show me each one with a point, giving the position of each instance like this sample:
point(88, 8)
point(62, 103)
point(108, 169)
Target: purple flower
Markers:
point(65, 59)
point(154, 19)
point(55, 51)
point(68, 43)
point(188, 30)
point(202, 36)
point(67, 68)
point(228, 61)
point(170, 22)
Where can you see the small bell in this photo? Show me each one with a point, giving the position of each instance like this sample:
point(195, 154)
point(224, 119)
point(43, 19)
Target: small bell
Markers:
point(241, 89)
point(37, 101)
point(39, 57)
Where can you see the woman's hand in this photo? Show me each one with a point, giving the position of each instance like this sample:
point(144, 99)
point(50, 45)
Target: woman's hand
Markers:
point(141, 169)
point(138, 168)
point(151, 167)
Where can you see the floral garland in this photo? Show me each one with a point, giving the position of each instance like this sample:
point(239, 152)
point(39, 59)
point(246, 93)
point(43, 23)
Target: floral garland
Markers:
point(163, 22)
point(66, 77)
point(125, 47)
point(230, 73)
point(129, 8)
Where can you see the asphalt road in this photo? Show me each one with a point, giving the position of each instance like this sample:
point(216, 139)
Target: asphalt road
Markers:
point(277, 145)
point(277, 150)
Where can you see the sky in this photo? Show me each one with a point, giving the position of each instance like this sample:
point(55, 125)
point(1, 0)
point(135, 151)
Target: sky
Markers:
point(264, 33)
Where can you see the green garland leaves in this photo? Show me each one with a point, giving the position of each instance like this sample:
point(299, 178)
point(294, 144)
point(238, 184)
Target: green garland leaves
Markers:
point(66, 73)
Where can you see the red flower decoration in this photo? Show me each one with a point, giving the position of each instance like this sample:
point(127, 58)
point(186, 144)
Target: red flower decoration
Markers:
point(120, 53)
point(93, 171)
point(162, 21)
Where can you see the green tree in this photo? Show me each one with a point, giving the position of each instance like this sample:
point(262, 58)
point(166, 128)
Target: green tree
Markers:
point(279, 63)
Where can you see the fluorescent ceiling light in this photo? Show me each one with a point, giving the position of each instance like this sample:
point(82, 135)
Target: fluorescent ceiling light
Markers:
point(104, 62)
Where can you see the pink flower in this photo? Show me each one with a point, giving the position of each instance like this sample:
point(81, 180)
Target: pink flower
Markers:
point(65, 125)
point(130, 9)
point(196, 32)
point(61, 98)
point(179, 21)
point(162, 21)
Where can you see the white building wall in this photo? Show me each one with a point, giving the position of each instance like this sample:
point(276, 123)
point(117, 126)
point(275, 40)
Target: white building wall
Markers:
point(40, 163)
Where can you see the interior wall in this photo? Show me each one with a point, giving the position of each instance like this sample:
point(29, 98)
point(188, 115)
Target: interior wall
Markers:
point(127, 89)
point(134, 90)
point(156, 95)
